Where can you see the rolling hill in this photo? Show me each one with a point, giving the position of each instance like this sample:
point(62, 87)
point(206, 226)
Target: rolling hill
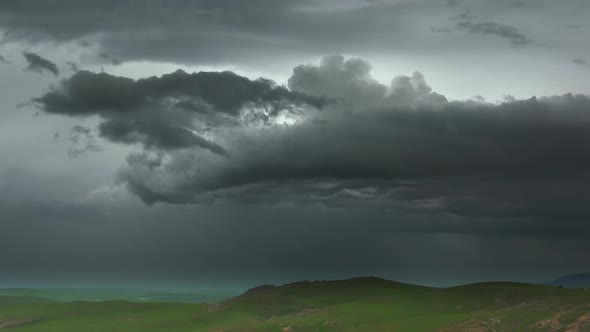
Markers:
point(360, 304)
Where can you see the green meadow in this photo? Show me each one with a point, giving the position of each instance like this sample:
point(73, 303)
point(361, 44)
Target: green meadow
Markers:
point(360, 304)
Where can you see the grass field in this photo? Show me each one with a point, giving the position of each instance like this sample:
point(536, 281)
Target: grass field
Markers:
point(361, 304)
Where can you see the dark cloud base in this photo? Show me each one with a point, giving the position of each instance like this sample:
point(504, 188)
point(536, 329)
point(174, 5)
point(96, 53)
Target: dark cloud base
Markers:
point(246, 244)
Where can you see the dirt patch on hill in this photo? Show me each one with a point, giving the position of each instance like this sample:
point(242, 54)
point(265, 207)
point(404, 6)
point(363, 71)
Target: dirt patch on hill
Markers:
point(556, 323)
point(472, 325)
point(581, 322)
point(553, 324)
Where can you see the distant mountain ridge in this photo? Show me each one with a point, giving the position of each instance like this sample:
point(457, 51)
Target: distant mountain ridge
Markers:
point(580, 280)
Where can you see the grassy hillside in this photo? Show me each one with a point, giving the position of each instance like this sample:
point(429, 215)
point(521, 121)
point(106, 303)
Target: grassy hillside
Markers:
point(362, 304)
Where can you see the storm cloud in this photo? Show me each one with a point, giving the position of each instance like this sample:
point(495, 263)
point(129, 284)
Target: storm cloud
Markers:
point(499, 161)
point(400, 145)
point(175, 110)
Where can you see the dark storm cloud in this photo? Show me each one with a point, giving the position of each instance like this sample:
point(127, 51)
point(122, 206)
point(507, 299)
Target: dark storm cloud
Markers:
point(87, 93)
point(400, 145)
point(39, 64)
point(479, 160)
point(174, 110)
point(580, 61)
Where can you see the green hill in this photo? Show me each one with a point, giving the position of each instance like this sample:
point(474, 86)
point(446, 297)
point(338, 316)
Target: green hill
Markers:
point(360, 304)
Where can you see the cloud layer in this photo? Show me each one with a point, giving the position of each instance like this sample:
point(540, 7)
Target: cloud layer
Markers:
point(204, 31)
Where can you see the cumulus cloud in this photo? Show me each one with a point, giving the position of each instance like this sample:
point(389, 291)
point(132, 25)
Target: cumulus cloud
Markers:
point(350, 80)
point(340, 78)
point(38, 64)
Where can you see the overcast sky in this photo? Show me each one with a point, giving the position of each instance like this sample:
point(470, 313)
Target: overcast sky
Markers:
point(227, 141)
